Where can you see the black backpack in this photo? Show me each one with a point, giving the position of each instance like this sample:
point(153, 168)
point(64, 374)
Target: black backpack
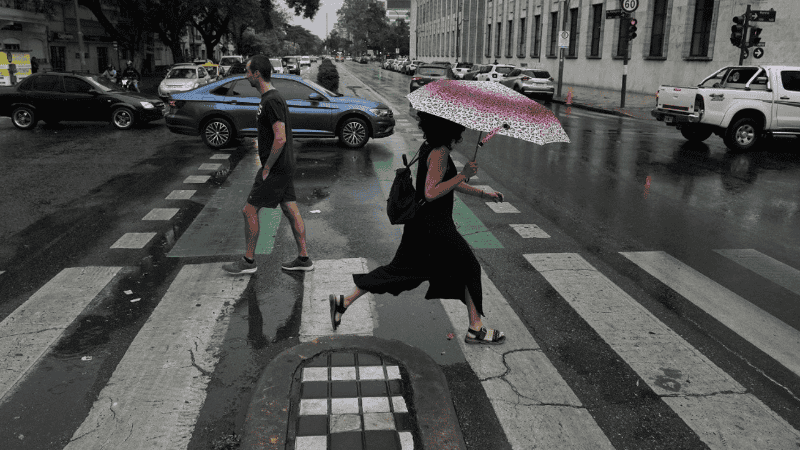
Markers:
point(401, 207)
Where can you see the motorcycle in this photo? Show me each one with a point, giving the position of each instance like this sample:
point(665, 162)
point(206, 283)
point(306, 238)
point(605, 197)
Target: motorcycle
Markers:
point(130, 84)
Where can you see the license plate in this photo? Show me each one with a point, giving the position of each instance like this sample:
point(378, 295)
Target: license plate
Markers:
point(669, 119)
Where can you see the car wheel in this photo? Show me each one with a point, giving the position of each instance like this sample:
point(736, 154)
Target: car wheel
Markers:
point(353, 133)
point(743, 134)
point(696, 133)
point(122, 118)
point(24, 118)
point(217, 133)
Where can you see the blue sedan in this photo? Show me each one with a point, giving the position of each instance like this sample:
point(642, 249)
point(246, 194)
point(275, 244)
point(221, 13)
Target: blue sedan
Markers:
point(226, 110)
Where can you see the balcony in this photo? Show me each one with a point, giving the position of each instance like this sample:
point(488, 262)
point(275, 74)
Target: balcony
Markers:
point(22, 11)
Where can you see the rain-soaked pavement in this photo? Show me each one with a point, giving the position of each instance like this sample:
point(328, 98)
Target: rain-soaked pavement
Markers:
point(589, 195)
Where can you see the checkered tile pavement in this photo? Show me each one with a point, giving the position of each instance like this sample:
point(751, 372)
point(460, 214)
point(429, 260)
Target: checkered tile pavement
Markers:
point(350, 401)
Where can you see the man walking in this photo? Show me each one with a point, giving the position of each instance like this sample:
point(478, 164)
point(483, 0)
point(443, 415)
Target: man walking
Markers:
point(273, 185)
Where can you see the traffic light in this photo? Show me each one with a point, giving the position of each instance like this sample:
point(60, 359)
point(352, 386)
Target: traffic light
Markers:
point(755, 36)
point(737, 31)
point(632, 30)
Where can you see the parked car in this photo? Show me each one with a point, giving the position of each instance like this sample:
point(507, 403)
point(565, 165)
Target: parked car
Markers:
point(305, 61)
point(530, 81)
point(494, 72)
point(402, 67)
point(386, 64)
point(292, 65)
point(412, 67)
point(227, 61)
point(427, 73)
point(277, 65)
point(363, 60)
point(473, 72)
point(313, 59)
point(348, 58)
point(444, 63)
point(237, 69)
point(214, 70)
point(461, 69)
point(58, 96)
point(183, 78)
point(315, 112)
point(398, 64)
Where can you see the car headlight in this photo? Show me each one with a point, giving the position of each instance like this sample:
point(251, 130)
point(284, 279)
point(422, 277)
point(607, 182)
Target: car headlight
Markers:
point(147, 105)
point(380, 112)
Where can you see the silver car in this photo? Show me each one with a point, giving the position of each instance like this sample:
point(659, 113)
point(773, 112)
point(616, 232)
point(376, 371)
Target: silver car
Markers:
point(182, 78)
point(530, 82)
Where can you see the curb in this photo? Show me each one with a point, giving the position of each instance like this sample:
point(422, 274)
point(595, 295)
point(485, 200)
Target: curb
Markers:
point(267, 421)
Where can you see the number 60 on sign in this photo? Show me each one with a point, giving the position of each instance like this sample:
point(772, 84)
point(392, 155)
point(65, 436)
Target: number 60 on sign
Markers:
point(630, 5)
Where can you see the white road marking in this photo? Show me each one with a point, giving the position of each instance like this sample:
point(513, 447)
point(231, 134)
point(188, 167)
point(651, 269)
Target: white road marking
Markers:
point(529, 230)
point(196, 179)
point(711, 403)
point(155, 394)
point(334, 276)
point(181, 194)
point(779, 273)
point(30, 331)
point(502, 208)
point(133, 240)
point(536, 407)
point(771, 335)
point(209, 166)
point(311, 443)
point(161, 214)
point(220, 156)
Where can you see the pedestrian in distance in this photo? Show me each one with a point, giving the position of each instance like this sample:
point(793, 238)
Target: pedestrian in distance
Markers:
point(110, 74)
point(431, 248)
point(273, 184)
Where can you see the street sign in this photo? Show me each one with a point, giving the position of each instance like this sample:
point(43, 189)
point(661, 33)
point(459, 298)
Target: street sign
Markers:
point(762, 16)
point(758, 52)
point(615, 13)
point(563, 39)
point(760, 44)
point(630, 5)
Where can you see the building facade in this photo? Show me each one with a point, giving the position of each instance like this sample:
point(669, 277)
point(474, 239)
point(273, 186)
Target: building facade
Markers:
point(678, 41)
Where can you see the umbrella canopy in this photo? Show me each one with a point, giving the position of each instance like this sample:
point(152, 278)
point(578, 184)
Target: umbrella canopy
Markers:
point(490, 107)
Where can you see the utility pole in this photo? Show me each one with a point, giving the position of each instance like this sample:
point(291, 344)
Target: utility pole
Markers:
point(561, 51)
point(80, 36)
point(458, 30)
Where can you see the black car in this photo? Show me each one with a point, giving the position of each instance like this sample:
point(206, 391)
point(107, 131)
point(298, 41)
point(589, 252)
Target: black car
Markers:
point(60, 96)
point(431, 72)
point(237, 69)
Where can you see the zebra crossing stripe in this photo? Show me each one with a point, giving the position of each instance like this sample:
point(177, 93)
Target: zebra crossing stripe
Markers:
point(771, 335)
point(779, 273)
point(334, 276)
point(155, 394)
point(711, 403)
point(535, 406)
point(28, 332)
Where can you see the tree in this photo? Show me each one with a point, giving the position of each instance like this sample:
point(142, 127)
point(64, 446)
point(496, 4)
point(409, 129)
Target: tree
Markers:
point(129, 26)
point(169, 19)
point(364, 22)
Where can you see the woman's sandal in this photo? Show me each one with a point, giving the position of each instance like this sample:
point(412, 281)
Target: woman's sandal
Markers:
point(484, 336)
point(336, 307)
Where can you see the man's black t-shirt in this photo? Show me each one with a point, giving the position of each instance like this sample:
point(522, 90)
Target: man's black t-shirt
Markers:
point(273, 109)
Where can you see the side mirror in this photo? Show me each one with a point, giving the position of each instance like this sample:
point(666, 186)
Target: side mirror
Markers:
point(315, 97)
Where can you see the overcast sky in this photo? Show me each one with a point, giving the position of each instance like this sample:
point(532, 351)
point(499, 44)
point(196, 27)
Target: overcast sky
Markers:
point(317, 27)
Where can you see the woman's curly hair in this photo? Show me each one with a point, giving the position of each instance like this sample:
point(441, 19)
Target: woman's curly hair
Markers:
point(438, 131)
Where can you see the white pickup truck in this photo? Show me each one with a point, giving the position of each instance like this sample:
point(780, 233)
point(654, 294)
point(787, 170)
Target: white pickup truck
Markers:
point(741, 104)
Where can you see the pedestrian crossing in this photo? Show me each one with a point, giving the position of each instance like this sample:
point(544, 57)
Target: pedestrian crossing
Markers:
point(158, 388)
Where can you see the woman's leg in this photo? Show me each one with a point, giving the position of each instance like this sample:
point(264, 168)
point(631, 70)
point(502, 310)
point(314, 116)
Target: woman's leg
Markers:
point(475, 322)
point(349, 299)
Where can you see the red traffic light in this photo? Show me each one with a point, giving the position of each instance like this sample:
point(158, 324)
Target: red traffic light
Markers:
point(634, 22)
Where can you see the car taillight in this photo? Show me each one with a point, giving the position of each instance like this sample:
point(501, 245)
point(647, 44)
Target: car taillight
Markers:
point(552, 79)
point(176, 103)
point(526, 78)
point(416, 78)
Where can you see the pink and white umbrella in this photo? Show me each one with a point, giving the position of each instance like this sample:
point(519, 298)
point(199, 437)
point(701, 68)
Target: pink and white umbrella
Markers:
point(490, 107)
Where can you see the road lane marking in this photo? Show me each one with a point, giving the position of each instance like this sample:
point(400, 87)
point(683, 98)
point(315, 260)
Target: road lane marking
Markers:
point(771, 335)
point(502, 208)
point(779, 273)
point(334, 276)
point(535, 406)
point(209, 166)
point(220, 156)
point(161, 214)
point(716, 407)
point(133, 240)
point(181, 194)
point(33, 328)
point(154, 396)
point(194, 179)
point(529, 230)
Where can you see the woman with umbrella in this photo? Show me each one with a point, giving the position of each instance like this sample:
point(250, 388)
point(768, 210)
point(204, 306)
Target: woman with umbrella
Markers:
point(431, 248)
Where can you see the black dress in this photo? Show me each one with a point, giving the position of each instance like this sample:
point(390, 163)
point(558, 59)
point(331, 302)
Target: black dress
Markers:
point(431, 249)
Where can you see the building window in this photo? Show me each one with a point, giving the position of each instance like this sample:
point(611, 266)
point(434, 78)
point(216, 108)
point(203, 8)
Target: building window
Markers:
point(537, 36)
point(510, 38)
point(12, 46)
point(488, 39)
point(659, 28)
point(553, 34)
point(499, 35)
point(521, 50)
point(597, 22)
point(573, 32)
point(701, 29)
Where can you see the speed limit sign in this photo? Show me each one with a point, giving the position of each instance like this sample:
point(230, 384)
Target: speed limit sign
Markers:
point(630, 5)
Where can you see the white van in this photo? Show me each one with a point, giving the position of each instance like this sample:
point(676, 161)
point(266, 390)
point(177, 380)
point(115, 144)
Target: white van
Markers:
point(227, 61)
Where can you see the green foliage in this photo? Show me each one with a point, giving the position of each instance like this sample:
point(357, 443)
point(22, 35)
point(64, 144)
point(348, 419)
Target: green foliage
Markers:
point(328, 76)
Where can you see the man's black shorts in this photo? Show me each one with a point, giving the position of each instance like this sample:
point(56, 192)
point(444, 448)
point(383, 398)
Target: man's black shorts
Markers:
point(269, 193)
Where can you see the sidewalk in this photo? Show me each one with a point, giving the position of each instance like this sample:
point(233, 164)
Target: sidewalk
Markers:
point(607, 101)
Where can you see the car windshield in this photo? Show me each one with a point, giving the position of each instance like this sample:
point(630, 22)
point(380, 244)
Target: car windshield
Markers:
point(228, 61)
point(276, 62)
point(290, 60)
point(102, 83)
point(505, 69)
point(320, 88)
point(182, 73)
point(536, 73)
point(462, 65)
point(432, 71)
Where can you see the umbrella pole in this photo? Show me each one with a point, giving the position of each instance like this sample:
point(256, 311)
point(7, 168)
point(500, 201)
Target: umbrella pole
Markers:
point(477, 145)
